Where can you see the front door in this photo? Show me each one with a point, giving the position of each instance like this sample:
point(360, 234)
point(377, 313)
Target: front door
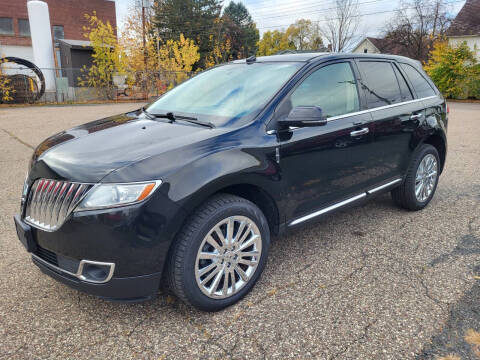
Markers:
point(326, 164)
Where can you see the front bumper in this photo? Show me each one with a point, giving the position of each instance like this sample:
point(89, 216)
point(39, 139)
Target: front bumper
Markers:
point(129, 289)
point(132, 241)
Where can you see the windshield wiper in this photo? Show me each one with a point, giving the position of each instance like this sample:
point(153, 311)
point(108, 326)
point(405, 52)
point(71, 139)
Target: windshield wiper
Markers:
point(192, 120)
point(170, 116)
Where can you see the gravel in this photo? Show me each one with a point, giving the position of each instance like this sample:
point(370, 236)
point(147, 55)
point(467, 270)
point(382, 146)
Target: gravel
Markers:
point(370, 282)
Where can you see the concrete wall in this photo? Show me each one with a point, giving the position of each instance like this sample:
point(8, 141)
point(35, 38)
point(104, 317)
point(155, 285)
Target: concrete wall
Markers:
point(473, 42)
point(365, 44)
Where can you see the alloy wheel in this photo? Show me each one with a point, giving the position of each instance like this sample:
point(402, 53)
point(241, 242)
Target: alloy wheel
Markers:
point(426, 177)
point(228, 257)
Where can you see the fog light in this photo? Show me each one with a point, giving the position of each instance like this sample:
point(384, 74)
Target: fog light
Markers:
point(96, 272)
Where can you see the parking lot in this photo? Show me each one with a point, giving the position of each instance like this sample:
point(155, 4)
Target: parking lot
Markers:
point(370, 282)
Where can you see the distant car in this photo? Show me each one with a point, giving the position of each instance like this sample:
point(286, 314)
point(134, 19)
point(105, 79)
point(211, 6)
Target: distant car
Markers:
point(190, 188)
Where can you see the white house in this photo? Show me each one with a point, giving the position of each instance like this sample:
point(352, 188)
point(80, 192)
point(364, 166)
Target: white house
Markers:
point(368, 45)
point(466, 27)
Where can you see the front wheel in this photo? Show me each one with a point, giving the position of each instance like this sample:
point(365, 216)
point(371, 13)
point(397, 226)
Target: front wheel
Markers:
point(220, 253)
point(421, 180)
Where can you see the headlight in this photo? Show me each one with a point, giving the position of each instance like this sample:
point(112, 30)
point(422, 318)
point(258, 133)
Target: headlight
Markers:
point(113, 195)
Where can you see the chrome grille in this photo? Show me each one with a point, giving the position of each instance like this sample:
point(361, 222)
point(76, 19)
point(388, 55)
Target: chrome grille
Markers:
point(50, 202)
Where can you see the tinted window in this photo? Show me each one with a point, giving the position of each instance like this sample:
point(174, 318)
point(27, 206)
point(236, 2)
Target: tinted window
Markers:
point(332, 88)
point(23, 27)
point(6, 26)
point(380, 83)
point(421, 86)
point(406, 93)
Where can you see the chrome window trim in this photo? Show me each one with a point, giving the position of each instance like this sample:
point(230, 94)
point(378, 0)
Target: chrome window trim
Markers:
point(79, 272)
point(343, 203)
point(333, 118)
point(380, 108)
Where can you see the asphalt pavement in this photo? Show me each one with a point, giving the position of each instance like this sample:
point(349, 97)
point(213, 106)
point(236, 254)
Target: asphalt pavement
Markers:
point(369, 282)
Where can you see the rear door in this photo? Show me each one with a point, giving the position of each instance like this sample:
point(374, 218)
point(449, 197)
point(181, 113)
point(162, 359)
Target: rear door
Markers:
point(396, 114)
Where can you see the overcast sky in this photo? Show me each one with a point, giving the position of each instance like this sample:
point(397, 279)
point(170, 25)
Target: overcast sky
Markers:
point(278, 14)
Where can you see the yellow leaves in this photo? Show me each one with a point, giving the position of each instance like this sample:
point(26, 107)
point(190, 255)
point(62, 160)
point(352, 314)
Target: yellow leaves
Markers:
point(449, 357)
point(107, 56)
point(472, 337)
point(272, 292)
point(453, 70)
point(178, 57)
point(6, 90)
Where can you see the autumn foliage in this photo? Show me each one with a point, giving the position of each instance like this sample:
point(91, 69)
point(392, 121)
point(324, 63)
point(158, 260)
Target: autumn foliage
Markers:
point(454, 70)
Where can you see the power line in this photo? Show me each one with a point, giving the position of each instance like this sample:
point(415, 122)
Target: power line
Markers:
point(202, 30)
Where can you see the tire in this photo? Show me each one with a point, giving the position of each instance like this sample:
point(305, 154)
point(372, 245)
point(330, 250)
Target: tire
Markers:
point(194, 253)
point(405, 195)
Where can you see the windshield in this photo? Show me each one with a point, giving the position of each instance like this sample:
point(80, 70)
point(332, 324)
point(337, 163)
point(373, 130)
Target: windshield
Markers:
point(231, 94)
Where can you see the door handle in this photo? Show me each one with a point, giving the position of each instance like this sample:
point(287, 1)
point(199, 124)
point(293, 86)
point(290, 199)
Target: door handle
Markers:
point(359, 132)
point(416, 116)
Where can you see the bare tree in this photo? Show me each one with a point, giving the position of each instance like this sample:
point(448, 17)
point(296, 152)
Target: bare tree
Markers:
point(416, 26)
point(340, 29)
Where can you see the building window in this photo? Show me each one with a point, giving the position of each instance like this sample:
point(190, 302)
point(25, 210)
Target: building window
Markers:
point(58, 33)
point(6, 26)
point(365, 51)
point(23, 27)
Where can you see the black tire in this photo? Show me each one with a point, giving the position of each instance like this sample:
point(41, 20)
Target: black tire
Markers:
point(182, 262)
point(404, 195)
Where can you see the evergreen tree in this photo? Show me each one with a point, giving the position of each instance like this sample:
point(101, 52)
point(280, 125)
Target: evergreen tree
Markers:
point(240, 30)
point(195, 19)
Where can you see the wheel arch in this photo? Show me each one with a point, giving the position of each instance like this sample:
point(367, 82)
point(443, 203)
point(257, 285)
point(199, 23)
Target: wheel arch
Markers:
point(438, 142)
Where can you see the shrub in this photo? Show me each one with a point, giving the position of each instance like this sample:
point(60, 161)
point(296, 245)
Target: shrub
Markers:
point(454, 70)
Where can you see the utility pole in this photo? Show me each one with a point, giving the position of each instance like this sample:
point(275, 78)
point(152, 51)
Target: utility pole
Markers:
point(144, 5)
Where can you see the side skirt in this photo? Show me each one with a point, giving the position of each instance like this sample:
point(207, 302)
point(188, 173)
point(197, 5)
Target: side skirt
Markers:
point(344, 202)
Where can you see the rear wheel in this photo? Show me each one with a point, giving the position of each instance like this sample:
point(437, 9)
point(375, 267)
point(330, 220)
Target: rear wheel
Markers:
point(421, 181)
point(220, 253)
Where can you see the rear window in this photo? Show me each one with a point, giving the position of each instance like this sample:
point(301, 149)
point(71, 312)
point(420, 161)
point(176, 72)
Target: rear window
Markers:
point(420, 84)
point(380, 83)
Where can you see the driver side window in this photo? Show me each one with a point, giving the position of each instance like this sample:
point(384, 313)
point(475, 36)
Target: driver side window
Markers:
point(332, 88)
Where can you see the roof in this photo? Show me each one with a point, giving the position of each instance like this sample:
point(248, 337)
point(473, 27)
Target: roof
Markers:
point(301, 57)
point(77, 44)
point(317, 57)
point(467, 21)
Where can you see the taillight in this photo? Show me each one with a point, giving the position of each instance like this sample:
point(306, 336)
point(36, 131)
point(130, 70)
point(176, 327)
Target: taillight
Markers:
point(448, 109)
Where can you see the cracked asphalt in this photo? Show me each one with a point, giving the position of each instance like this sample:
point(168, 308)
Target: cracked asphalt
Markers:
point(370, 282)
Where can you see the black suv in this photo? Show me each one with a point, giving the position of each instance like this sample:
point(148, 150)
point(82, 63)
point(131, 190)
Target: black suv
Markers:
point(190, 188)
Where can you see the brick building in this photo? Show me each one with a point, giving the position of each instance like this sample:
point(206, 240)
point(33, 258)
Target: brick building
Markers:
point(66, 17)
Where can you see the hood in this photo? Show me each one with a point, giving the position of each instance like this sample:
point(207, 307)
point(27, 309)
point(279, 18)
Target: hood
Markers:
point(89, 152)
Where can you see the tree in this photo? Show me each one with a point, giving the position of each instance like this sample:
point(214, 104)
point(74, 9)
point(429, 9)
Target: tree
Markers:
point(302, 35)
point(195, 19)
point(340, 30)
point(453, 69)
point(131, 41)
point(273, 42)
point(240, 30)
point(179, 57)
point(417, 25)
point(106, 58)
point(6, 89)
point(305, 35)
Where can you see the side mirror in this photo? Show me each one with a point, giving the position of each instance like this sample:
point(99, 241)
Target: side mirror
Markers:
point(304, 116)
